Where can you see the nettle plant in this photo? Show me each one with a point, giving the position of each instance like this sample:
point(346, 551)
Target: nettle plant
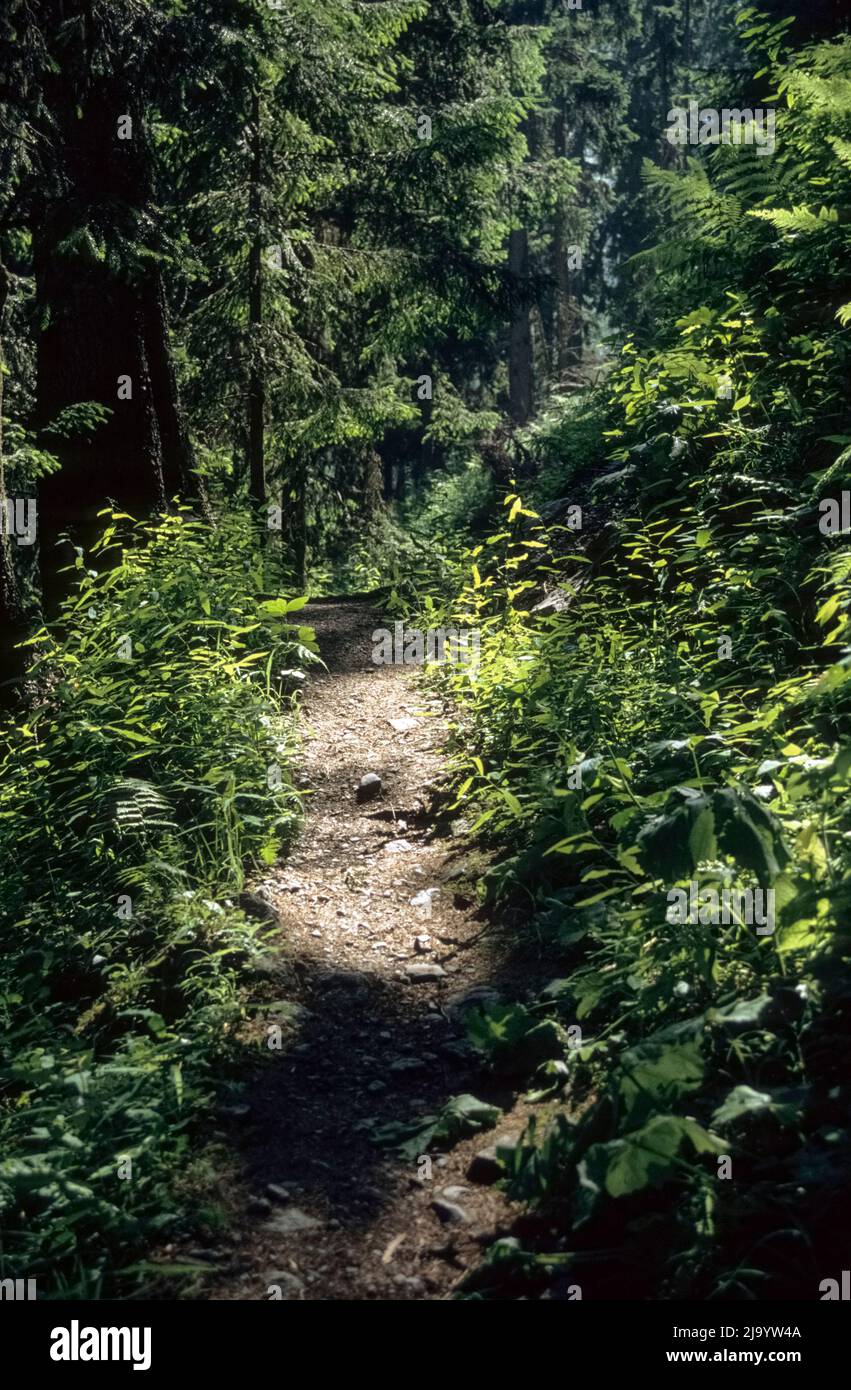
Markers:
point(621, 748)
point(154, 663)
point(664, 702)
point(134, 793)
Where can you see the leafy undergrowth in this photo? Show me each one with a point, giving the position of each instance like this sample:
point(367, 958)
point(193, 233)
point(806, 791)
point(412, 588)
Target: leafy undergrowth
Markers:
point(151, 769)
point(676, 722)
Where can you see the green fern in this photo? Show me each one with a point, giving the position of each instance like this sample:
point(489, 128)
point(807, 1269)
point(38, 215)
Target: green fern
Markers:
point(135, 806)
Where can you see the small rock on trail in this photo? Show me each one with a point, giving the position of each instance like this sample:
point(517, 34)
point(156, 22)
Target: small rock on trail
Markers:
point(253, 905)
point(289, 1220)
point(449, 1212)
point(425, 972)
point(369, 787)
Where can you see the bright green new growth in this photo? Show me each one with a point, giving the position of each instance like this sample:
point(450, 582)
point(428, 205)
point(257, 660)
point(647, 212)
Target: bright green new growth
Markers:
point(678, 711)
point(132, 801)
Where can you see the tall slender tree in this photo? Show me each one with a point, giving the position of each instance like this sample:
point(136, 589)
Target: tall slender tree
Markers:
point(256, 384)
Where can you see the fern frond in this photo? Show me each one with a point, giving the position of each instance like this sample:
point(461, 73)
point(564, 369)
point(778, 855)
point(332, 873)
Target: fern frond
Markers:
point(795, 221)
point(134, 806)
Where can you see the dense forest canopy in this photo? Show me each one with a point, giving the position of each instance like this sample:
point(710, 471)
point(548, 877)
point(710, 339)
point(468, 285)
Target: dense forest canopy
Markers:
point(524, 318)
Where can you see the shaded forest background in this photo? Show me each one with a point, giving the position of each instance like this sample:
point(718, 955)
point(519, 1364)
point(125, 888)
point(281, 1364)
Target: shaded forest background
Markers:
point(291, 297)
point(275, 254)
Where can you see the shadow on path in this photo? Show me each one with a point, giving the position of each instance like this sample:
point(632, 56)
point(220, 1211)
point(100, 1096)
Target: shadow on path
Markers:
point(371, 1045)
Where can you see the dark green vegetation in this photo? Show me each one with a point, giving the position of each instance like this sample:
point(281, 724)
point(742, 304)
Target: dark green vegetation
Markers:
point(150, 768)
point(308, 290)
point(622, 748)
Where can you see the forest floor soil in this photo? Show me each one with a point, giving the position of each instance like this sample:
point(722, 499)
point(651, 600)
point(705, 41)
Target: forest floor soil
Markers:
point(344, 1218)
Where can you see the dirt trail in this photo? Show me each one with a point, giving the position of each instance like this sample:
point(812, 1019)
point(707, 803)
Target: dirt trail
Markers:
point(370, 1045)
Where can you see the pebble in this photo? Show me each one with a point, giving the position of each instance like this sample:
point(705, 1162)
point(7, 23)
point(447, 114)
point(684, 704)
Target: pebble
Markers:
point(254, 906)
point(425, 971)
point(485, 1167)
point(449, 1213)
point(368, 787)
point(285, 1223)
point(409, 1281)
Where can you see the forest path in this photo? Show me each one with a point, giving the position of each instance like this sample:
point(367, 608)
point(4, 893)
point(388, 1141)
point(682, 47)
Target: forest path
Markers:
point(370, 1045)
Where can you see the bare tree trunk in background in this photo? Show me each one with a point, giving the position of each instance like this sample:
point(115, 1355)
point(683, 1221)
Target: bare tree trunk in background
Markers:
point(568, 312)
point(424, 458)
point(669, 153)
point(8, 586)
point(256, 384)
point(13, 623)
point(561, 354)
point(178, 457)
point(294, 520)
point(520, 400)
point(300, 527)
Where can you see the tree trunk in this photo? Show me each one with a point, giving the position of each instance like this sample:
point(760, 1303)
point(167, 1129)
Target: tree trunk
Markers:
point(97, 335)
point(388, 472)
point(520, 400)
point(424, 458)
point(13, 619)
point(560, 354)
point(8, 586)
point(178, 456)
point(299, 520)
point(104, 318)
point(669, 152)
point(567, 354)
point(256, 384)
